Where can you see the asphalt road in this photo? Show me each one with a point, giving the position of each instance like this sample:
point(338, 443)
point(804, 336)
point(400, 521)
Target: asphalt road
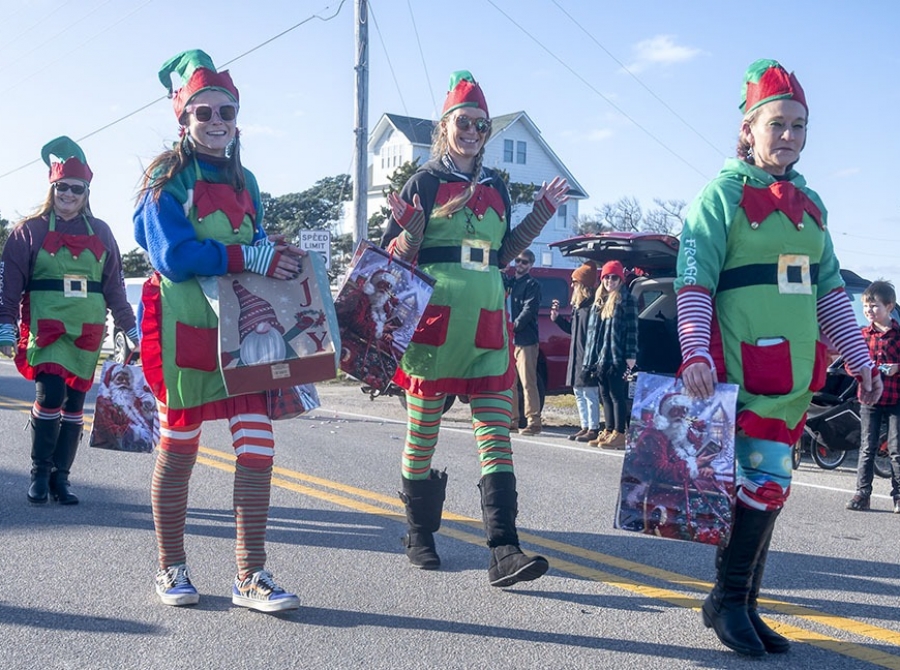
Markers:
point(77, 583)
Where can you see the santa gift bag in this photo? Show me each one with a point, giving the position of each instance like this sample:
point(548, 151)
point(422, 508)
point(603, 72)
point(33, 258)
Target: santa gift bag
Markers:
point(290, 402)
point(378, 308)
point(275, 333)
point(125, 415)
point(678, 473)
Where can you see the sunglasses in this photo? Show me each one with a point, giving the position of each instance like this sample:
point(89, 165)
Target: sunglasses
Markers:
point(481, 125)
point(62, 187)
point(204, 113)
point(522, 261)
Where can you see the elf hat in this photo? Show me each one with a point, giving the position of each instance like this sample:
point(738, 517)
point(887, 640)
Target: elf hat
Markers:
point(766, 80)
point(613, 268)
point(586, 274)
point(66, 160)
point(464, 91)
point(197, 73)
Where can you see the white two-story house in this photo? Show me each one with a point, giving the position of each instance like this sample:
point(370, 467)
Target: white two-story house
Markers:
point(515, 146)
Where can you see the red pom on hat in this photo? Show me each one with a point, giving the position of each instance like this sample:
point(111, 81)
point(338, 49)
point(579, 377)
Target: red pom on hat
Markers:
point(464, 91)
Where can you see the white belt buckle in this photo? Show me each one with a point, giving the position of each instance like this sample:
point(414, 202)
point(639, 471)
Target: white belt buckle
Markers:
point(793, 274)
point(75, 286)
point(466, 255)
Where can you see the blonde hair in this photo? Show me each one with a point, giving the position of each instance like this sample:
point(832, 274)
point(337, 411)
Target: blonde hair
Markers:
point(580, 293)
point(439, 147)
point(605, 301)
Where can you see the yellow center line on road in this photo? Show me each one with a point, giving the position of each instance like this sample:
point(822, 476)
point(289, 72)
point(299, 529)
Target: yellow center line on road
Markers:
point(223, 460)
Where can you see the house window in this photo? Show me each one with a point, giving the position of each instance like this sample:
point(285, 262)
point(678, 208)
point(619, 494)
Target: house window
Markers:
point(507, 151)
point(562, 215)
point(520, 153)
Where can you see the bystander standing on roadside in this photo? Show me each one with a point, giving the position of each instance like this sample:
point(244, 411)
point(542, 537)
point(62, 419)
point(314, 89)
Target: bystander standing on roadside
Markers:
point(525, 302)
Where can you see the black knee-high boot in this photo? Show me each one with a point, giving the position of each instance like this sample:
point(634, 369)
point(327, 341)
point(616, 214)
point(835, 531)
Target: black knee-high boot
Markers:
point(43, 443)
point(725, 608)
point(63, 457)
point(772, 641)
point(424, 500)
point(499, 507)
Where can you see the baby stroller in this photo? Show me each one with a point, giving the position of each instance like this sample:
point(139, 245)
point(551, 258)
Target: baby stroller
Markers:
point(833, 425)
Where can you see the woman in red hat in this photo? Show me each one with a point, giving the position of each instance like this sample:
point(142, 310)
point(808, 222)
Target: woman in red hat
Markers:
point(611, 351)
point(199, 214)
point(757, 282)
point(453, 218)
point(62, 265)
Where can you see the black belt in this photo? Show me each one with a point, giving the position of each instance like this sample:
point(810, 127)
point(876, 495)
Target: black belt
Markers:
point(59, 285)
point(454, 255)
point(763, 273)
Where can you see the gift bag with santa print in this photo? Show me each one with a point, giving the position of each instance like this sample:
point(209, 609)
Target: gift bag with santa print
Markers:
point(275, 333)
point(378, 308)
point(125, 415)
point(678, 476)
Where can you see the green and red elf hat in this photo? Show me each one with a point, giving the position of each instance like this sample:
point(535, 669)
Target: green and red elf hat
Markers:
point(197, 73)
point(766, 80)
point(464, 91)
point(66, 160)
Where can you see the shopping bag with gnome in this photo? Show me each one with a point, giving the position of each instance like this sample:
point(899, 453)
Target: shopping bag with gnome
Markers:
point(678, 473)
point(274, 333)
point(125, 415)
point(378, 308)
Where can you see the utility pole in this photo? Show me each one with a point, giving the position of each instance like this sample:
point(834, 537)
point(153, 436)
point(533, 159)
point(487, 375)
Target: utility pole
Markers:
point(360, 157)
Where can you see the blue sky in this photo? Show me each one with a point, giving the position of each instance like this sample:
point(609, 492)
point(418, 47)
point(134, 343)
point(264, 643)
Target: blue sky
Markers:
point(659, 127)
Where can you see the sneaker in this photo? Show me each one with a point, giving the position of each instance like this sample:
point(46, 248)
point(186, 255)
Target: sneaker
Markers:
point(896, 505)
point(858, 503)
point(259, 591)
point(575, 436)
point(588, 436)
point(173, 586)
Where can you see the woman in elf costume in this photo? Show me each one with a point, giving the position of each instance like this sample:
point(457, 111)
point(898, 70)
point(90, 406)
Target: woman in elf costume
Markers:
point(199, 214)
point(63, 267)
point(757, 279)
point(453, 219)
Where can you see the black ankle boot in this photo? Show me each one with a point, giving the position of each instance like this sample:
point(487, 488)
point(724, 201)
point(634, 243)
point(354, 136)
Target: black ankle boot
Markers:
point(508, 565)
point(424, 500)
point(772, 641)
point(43, 442)
point(63, 457)
point(725, 608)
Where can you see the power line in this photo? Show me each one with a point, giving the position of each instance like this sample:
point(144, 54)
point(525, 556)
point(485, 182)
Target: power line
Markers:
point(591, 87)
point(153, 102)
point(39, 22)
point(638, 80)
point(422, 57)
point(388, 58)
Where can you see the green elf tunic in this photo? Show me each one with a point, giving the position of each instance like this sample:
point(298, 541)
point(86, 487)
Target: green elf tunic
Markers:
point(179, 346)
point(760, 246)
point(64, 310)
point(462, 342)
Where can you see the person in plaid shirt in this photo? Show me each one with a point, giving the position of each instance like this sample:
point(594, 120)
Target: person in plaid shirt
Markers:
point(883, 337)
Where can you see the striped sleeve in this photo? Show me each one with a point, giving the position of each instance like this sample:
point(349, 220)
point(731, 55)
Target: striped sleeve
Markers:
point(695, 312)
point(838, 321)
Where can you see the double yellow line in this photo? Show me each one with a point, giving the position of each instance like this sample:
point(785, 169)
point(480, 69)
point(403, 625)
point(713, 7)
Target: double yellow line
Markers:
point(362, 500)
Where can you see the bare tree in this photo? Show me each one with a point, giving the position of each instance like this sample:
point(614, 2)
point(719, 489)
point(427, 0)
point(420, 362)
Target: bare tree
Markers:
point(666, 218)
point(626, 215)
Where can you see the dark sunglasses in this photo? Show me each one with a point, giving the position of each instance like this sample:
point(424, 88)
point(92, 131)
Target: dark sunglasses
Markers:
point(204, 113)
point(481, 125)
point(522, 261)
point(62, 187)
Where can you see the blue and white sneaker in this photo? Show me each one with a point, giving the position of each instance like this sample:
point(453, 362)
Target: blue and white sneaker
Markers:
point(259, 592)
point(173, 586)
